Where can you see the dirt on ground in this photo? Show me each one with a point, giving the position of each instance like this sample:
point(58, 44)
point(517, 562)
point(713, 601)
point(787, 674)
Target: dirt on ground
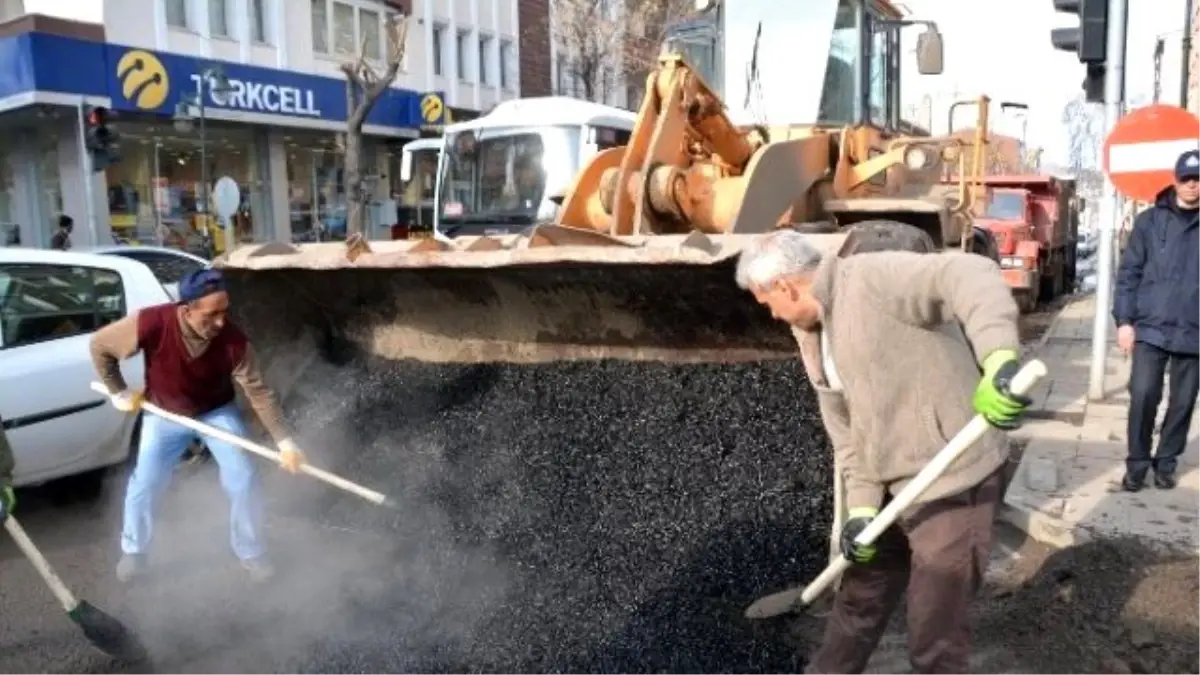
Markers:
point(1110, 606)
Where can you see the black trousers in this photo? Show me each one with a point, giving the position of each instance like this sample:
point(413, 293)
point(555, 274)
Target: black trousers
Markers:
point(1150, 364)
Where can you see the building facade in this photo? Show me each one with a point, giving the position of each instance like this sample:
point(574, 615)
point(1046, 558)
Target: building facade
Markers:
point(246, 89)
point(1193, 59)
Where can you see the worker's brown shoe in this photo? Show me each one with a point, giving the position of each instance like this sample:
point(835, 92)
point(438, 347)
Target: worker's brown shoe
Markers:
point(259, 570)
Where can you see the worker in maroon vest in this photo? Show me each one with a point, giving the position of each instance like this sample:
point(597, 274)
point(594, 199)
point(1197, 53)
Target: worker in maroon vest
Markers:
point(193, 357)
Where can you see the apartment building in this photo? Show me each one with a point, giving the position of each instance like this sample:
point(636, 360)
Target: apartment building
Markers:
point(250, 89)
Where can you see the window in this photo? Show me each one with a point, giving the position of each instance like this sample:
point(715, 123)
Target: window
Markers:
point(176, 11)
point(320, 26)
point(507, 60)
point(839, 95)
point(439, 44)
point(879, 79)
point(218, 23)
point(168, 268)
point(563, 75)
point(370, 28)
point(461, 50)
point(608, 137)
point(485, 53)
point(343, 30)
point(258, 21)
point(47, 302)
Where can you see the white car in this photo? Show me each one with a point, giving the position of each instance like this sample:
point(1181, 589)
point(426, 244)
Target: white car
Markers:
point(50, 304)
point(169, 265)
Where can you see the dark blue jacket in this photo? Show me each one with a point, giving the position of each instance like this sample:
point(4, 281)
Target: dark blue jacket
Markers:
point(1158, 282)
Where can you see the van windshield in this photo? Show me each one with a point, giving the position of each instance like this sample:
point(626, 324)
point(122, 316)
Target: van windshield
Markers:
point(492, 179)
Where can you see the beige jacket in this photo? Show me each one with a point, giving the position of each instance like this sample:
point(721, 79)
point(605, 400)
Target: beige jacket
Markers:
point(896, 323)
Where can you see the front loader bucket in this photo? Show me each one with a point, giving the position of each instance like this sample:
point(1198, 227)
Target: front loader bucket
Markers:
point(604, 448)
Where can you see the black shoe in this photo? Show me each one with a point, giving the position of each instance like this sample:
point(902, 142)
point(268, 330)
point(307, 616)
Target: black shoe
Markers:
point(1165, 481)
point(1132, 483)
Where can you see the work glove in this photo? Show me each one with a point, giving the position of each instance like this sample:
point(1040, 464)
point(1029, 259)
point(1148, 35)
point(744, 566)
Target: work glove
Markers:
point(856, 522)
point(127, 401)
point(993, 397)
point(8, 502)
point(290, 457)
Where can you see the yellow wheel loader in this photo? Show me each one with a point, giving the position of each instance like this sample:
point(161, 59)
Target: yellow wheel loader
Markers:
point(700, 489)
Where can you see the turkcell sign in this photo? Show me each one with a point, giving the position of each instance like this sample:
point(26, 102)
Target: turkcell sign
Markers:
point(263, 97)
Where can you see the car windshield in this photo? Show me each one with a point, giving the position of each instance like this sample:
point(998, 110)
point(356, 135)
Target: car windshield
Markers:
point(498, 180)
point(1006, 206)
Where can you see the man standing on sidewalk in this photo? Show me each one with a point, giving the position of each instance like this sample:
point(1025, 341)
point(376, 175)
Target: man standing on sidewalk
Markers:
point(903, 350)
point(1156, 307)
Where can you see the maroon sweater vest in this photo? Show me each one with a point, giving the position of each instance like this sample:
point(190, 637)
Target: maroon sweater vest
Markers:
point(174, 380)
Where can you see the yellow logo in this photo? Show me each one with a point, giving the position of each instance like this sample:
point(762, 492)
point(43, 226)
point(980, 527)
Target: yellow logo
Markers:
point(144, 81)
point(432, 108)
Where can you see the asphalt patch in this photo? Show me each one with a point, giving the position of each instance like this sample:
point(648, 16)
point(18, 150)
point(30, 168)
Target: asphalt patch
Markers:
point(580, 517)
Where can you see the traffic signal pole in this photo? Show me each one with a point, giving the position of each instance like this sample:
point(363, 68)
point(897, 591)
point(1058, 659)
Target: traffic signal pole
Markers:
point(1114, 95)
point(86, 170)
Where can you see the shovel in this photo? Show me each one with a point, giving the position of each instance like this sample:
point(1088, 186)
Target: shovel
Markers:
point(377, 498)
point(105, 632)
point(794, 598)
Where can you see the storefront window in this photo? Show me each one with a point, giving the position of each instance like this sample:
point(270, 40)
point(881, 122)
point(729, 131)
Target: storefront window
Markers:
point(316, 191)
point(155, 194)
point(49, 186)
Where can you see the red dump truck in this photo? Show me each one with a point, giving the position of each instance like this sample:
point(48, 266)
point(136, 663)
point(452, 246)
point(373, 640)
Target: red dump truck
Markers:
point(1035, 221)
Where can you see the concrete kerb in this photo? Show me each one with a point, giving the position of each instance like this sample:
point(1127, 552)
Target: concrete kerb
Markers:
point(1039, 525)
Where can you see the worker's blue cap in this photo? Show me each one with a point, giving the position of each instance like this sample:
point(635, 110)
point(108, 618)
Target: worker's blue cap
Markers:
point(199, 284)
point(1188, 165)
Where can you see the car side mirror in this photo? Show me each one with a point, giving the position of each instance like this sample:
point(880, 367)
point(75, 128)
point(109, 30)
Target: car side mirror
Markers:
point(929, 51)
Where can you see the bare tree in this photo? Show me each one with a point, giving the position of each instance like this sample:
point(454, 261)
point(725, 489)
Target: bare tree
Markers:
point(365, 84)
point(604, 43)
point(1084, 123)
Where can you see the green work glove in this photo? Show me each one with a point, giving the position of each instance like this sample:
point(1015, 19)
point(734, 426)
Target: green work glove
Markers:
point(8, 502)
point(993, 397)
point(857, 522)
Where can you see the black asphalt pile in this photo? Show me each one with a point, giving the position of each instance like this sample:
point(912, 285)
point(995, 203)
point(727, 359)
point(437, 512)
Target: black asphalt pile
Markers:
point(1113, 606)
point(579, 517)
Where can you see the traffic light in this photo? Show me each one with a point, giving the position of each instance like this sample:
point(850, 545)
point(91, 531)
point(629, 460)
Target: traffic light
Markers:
point(1089, 41)
point(101, 140)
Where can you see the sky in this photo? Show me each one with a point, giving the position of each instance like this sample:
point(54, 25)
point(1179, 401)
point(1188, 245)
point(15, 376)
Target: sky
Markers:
point(1003, 49)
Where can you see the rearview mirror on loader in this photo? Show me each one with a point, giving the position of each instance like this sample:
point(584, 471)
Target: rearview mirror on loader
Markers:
point(929, 51)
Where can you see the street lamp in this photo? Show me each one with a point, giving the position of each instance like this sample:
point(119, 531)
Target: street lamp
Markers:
point(211, 83)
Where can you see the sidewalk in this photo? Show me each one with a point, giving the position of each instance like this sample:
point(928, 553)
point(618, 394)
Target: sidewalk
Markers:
point(1066, 488)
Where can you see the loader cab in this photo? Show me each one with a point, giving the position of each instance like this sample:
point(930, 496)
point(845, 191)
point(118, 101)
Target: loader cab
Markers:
point(508, 170)
point(828, 62)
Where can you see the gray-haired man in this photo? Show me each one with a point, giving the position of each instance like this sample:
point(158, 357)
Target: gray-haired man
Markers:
point(894, 343)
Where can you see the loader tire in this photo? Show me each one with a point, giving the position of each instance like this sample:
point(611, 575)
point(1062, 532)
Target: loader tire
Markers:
point(886, 235)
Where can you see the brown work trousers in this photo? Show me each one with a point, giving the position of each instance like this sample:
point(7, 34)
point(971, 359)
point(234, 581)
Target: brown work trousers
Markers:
point(939, 553)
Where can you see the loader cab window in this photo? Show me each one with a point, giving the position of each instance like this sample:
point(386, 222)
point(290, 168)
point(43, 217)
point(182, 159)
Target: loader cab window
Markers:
point(879, 79)
point(840, 98)
point(696, 41)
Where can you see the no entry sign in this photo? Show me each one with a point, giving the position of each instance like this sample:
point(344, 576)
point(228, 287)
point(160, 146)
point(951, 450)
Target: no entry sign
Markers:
point(1140, 153)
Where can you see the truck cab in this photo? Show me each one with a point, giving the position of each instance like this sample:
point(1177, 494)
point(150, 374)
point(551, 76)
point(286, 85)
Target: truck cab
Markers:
point(1034, 221)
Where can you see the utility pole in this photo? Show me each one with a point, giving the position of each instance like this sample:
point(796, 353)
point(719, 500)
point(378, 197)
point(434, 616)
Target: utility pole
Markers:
point(1160, 45)
point(1099, 42)
point(1185, 70)
point(1110, 205)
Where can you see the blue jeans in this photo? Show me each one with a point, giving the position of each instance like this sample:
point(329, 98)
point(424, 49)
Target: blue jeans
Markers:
point(162, 444)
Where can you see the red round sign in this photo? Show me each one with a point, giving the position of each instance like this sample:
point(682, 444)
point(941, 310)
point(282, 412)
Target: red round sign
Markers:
point(1141, 151)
